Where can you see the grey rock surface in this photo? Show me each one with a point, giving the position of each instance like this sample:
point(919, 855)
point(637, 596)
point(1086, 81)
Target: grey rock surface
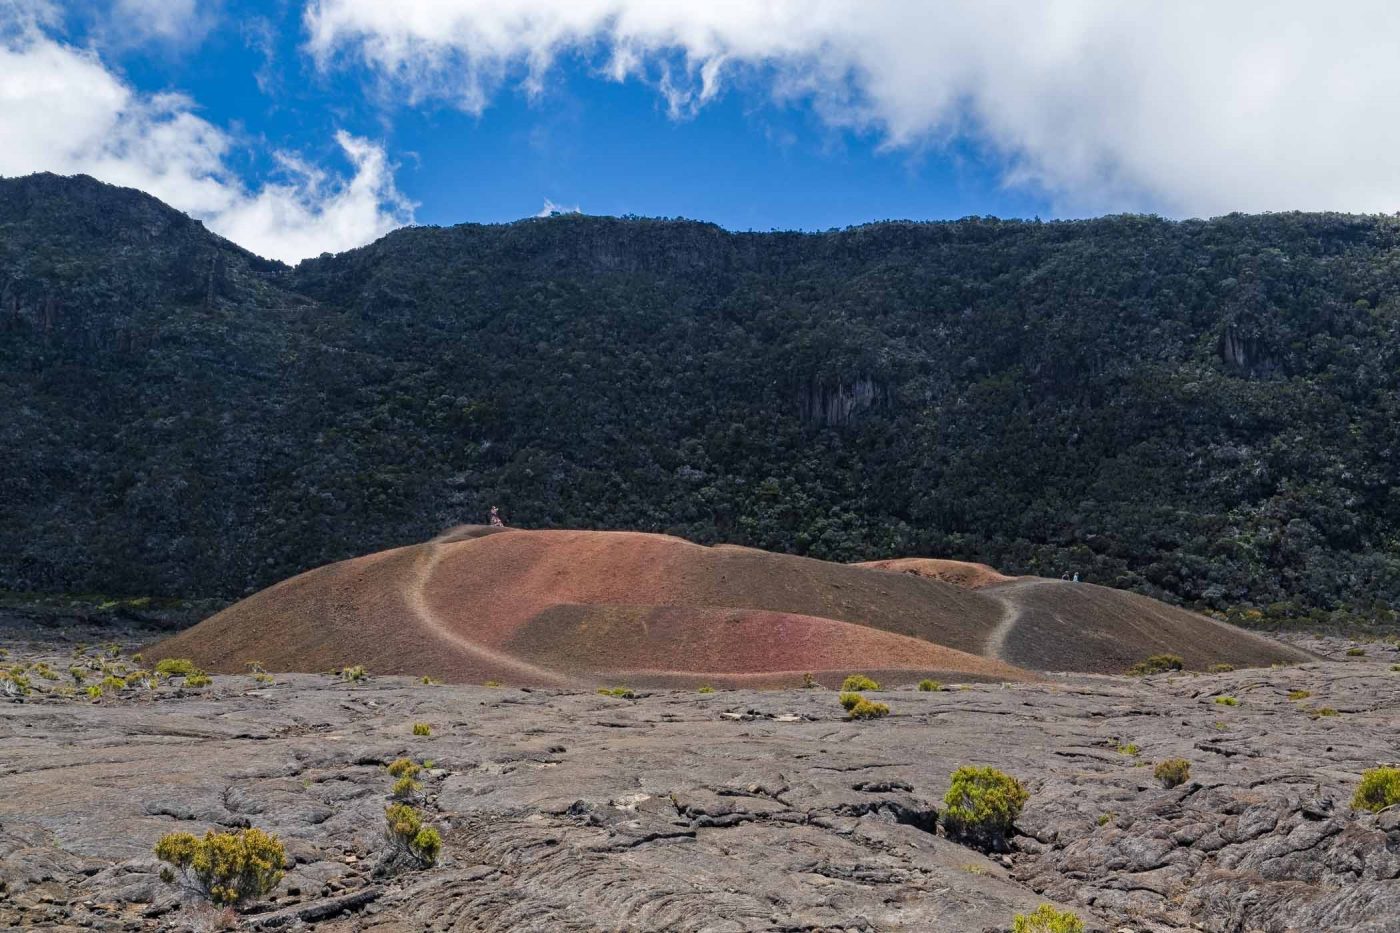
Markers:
point(727, 811)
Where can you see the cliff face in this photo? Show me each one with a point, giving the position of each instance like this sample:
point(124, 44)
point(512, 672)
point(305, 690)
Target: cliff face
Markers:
point(1203, 410)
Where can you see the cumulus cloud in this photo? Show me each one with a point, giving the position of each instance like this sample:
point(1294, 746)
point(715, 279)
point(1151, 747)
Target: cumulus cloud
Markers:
point(63, 110)
point(1188, 107)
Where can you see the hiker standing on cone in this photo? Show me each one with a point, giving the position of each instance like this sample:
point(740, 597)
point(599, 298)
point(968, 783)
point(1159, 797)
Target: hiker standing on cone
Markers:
point(496, 518)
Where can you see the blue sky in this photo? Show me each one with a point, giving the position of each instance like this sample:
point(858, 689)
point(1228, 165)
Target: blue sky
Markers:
point(299, 125)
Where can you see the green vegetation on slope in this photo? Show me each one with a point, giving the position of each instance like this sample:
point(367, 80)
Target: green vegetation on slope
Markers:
point(1204, 410)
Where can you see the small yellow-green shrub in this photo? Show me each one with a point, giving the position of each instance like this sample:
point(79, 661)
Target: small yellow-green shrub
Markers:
point(227, 868)
point(408, 837)
point(401, 767)
point(1379, 788)
point(1356, 652)
point(404, 788)
point(857, 682)
point(705, 688)
point(353, 674)
point(176, 667)
point(422, 728)
point(198, 679)
point(1132, 749)
point(1221, 668)
point(1227, 701)
point(1047, 919)
point(848, 701)
point(1157, 664)
point(626, 693)
point(1172, 772)
point(983, 803)
point(1299, 694)
point(868, 709)
point(930, 686)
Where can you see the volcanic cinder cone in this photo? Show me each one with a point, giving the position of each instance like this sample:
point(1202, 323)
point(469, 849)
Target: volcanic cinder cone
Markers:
point(579, 608)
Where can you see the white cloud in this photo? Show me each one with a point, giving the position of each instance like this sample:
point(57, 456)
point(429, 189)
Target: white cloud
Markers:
point(550, 209)
point(178, 21)
point(62, 110)
point(1189, 107)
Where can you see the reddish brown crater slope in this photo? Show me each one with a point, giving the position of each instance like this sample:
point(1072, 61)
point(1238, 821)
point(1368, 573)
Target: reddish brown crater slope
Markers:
point(579, 608)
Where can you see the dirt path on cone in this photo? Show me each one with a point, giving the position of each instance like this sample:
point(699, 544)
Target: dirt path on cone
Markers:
point(414, 595)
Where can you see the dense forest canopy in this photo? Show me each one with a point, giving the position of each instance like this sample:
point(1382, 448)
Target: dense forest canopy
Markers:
point(1201, 410)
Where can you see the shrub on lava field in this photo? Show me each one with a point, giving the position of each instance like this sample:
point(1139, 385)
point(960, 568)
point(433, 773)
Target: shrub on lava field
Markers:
point(848, 701)
point(1221, 668)
point(404, 788)
point(112, 684)
point(492, 683)
point(625, 693)
point(409, 838)
point(46, 672)
point(227, 868)
point(422, 728)
point(198, 679)
point(1173, 772)
point(705, 688)
point(982, 804)
point(1379, 788)
point(930, 686)
point(94, 692)
point(857, 682)
point(809, 682)
point(1356, 652)
point(1047, 919)
point(1227, 701)
point(1299, 694)
point(1132, 749)
point(1395, 667)
point(402, 767)
point(1322, 711)
point(353, 674)
point(868, 709)
point(176, 667)
point(1157, 664)
point(14, 685)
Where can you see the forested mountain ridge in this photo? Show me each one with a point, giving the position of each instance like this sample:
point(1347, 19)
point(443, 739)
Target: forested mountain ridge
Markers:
point(1204, 410)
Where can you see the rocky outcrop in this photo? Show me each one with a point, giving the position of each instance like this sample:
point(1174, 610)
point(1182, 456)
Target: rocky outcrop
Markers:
point(841, 403)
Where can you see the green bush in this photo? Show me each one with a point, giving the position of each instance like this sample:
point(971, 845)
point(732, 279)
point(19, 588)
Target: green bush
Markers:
point(857, 682)
point(982, 804)
point(409, 838)
point(1356, 652)
point(198, 679)
point(1047, 919)
point(400, 767)
point(848, 701)
point(404, 788)
point(422, 728)
point(867, 709)
point(227, 868)
point(1299, 694)
point(1132, 749)
point(1379, 788)
point(1221, 668)
point(1227, 701)
point(1322, 711)
point(705, 688)
point(175, 667)
point(930, 686)
point(353, 674)
point(625, 693)
point(1157, 664)
point(112, 684)
point(1173, 772)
